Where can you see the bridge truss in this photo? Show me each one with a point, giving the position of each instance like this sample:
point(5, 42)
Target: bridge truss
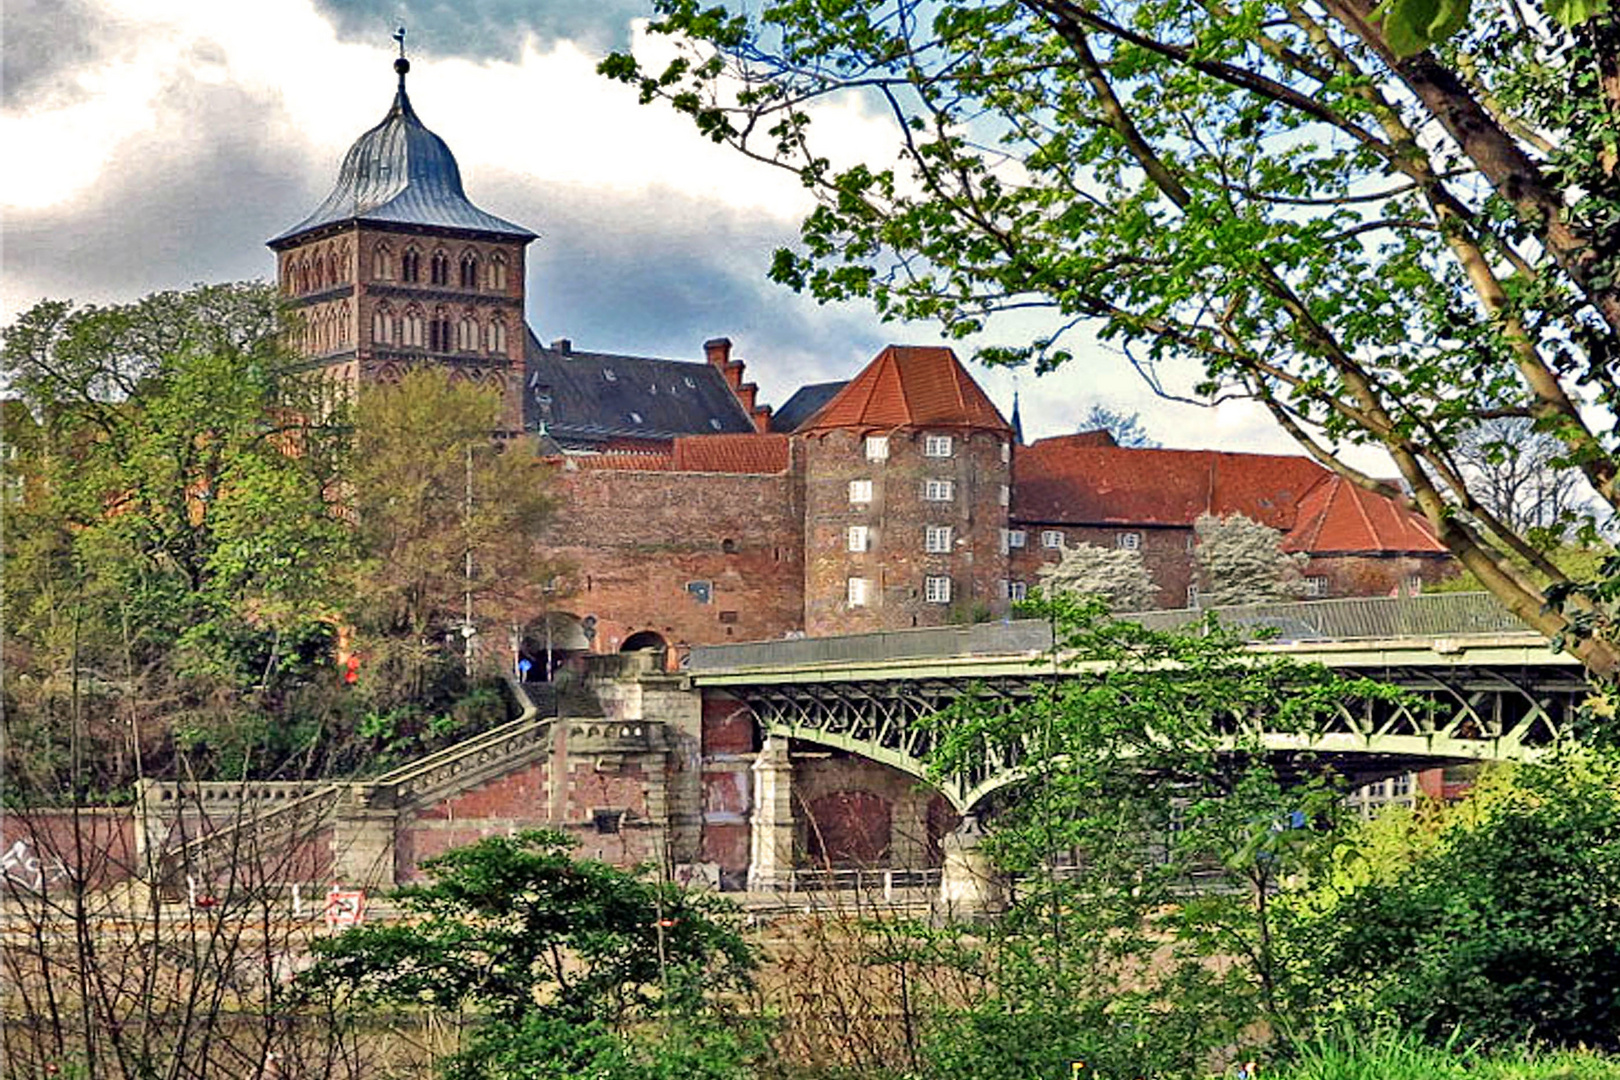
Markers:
point(1509, 702)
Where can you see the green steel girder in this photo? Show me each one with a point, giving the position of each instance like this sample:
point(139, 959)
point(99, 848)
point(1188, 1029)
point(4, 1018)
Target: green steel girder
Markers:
point(1474, 713)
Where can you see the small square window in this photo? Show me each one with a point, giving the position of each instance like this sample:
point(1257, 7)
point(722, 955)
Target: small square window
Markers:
point(860, 491)
point(877, 448)
point(937, 590)
point(856, 594)
point(607, 821)
point(1128, 541)
point(937, 446)
point(939, 490)
point(1414, 584)
point(701, 591)
point(1017, 590)
point(1316, 587)
point(937, 540)
point(1005, 546)
point(1192, 541)
point(1401, 786)
point(1051, 538)
point(859, 537)
point(1192, 596)
point(1016, 538)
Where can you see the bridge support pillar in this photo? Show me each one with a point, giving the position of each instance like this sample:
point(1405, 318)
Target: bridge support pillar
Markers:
point(770, 833)
point(969, 886)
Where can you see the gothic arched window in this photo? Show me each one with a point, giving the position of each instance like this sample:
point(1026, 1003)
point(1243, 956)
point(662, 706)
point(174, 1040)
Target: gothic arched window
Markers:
point(411, 328)
point(382, 325)
point(410, 265)
point(469, 270)
point(497, 273)
point(467, 334)
point(382, 263)
point(497, 336)
point(440, 268)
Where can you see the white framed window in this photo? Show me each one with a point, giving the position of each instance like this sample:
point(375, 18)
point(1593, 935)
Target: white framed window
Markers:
point(1017, 538)
point(937, 539)
point(939, 490)
point(1006, 494)
point(1128, 541)
point(877, 448)
point(860, 491)
point(937, 590)
point(1400, 787)
point(1316, 587)
point(1051, 538)
point(1006, 452)
point(1005, 547)
point(1192, 595)
point(1414, 584)
point(1017, 591)
point(937, 445)
point(859, 538)
point(858, 589)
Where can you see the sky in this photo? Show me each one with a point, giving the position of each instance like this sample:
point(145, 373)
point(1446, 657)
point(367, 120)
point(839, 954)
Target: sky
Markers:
point(154, 144)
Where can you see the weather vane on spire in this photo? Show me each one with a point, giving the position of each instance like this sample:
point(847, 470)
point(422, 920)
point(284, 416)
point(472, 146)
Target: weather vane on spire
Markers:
point(401, 65)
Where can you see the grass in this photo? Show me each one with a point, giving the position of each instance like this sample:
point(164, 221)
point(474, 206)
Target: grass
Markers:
point(1399, 1058)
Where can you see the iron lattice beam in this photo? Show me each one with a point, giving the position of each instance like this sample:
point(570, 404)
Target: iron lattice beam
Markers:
point(1459, 714)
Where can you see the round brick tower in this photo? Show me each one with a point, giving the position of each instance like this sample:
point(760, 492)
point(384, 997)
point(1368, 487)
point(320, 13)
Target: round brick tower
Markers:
point(907, 472)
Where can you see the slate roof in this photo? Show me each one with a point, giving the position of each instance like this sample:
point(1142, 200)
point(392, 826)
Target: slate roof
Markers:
point(805, 403)
point(910, 385)
point(586, 399)
point(1076, 480)
point(399, 172)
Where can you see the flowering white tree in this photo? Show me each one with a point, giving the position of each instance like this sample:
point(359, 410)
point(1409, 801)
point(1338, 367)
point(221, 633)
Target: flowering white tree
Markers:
point(1241, 561)
point(1116, 575)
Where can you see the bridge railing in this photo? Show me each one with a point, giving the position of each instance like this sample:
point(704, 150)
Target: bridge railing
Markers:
point(1436, 615)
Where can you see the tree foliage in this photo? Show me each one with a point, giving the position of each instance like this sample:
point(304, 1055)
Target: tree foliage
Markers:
point(1143, 780)
point(1125, 428)
point(1116, 576)
point(1379, 246)
point(1241, 561)
point(1496, 920)
point(564, 959)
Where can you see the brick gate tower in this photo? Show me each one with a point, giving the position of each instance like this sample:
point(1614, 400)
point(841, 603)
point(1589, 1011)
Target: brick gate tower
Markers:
point(397, 268)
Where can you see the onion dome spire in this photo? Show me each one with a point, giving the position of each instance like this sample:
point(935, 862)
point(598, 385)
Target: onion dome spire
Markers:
point(400, 173)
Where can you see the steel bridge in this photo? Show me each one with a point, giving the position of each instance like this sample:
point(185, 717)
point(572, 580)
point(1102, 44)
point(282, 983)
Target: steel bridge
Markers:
point(1481, 687)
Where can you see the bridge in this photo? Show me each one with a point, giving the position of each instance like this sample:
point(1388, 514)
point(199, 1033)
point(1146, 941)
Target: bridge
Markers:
point(1481, 687)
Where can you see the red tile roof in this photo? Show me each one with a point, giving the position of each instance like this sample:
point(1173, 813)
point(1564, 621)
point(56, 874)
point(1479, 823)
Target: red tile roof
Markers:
point(1073, 481)
point(621, 462)
point(1338, 517)
point(910, 385)
point(758, 453)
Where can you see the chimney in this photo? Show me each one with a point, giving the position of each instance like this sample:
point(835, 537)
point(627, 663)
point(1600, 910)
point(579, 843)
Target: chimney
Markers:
point(718, 351)
point(563, 345)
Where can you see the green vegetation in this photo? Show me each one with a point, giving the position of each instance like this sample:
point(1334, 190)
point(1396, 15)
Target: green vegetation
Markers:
point(189, 517)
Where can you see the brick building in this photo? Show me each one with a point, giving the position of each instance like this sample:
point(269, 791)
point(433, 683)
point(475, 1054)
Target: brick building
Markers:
point(693, 513)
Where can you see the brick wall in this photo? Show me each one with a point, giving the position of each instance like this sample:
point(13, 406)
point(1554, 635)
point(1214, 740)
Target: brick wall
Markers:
point(1165, 553)
point(1373, 575)
point(895, 563)
point(637, 540)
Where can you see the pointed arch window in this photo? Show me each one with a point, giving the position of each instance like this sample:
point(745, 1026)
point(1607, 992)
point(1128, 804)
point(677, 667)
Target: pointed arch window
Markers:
point(439, 332)
point(382, 325)
point(410, 265)
point(467, 334)
point(469, 270)
point(440, 269)
point(497, 273)
point(382, 263)
point(343, 323)
point(496, 337)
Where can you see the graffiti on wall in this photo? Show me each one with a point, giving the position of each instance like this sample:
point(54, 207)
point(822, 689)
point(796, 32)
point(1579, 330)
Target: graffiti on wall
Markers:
point(21, 865)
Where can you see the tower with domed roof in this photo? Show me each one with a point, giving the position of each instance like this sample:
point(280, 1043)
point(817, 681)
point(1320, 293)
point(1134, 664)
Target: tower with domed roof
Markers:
point(397, 268)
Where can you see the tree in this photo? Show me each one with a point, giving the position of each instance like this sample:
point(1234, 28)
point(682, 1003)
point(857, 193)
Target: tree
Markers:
point(1126, 428)
point(1116, 576)
point(1521, 481)
point(448, 521)
point(1495, 920)
point(1381, 246)
point(171, 553)
point(564, 960)
point(1241, 561)
point(1143, 778)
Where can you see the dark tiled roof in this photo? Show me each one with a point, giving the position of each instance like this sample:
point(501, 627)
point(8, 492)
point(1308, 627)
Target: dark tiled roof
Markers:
point(399, 172)
point(590, 399)
point(805, 403)
point(910, 386)
point(1339, 518)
